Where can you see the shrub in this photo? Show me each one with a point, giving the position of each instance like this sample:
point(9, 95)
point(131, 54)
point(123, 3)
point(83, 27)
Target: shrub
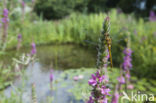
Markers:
point(54, 9)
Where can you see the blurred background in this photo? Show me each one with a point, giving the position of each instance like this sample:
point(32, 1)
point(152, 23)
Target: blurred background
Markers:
point(51, 45)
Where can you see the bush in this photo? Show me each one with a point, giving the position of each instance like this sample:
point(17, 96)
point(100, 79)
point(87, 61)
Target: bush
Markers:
point(54, 9)
point(97, 5)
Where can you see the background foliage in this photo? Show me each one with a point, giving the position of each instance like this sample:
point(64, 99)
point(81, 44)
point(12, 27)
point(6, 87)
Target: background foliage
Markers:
point(55, 9)
point(85, 29)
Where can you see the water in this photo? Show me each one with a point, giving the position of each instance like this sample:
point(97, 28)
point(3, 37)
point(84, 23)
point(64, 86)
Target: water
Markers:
point(58, 57)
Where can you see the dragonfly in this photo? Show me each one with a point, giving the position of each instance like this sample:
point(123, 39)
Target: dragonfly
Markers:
point(108, 43)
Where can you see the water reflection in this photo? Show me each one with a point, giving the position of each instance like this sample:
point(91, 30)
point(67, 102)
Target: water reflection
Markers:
point(58, 57)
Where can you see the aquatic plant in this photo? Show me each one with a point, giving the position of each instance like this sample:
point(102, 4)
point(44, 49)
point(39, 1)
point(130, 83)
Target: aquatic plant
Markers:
point(98, 81)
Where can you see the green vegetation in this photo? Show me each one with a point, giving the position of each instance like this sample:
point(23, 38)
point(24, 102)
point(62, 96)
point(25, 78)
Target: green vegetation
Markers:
point(56, 9)
point(139, 84)
point(59, 32)
point(83, 92)
point(79, 28)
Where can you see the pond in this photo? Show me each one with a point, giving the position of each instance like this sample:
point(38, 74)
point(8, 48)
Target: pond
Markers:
point(58, 58)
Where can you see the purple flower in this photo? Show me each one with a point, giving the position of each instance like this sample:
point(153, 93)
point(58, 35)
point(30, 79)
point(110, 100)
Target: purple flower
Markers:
point(5, 18)
point(128, 51)
point(19, 37)
point(23, 4)
point(90, 100)
point(51, 77)
point(102, 78)
point(33, 50)
point(105, 91)
point(115, 98)
point(130, 86)
point(127, 59)
point(96, 78)
point(105, 100)
point(121, 80)
point(128, 75)
point(5, 12)
point(92, 81)
point(152, 16)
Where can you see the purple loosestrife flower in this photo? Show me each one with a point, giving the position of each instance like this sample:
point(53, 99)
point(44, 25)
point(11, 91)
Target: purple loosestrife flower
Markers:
point(92, 81)
point(115, 98)
point(105, 90)
point(90, 100)
point(5, 16)
point(23, 4)
point(33, 50)
point(51, 77)
point(130, 86)
point(116, 95)
point(127, 65)
point(128, 75)
point(152, 16)
point(19, 37)
point(127, 59)
point(121, 80)
point(99, 80)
